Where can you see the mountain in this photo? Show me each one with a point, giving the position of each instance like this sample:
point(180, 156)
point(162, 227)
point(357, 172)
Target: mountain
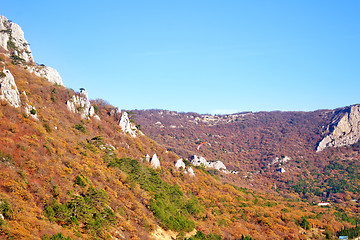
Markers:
point(268, 148)
point(76, 168)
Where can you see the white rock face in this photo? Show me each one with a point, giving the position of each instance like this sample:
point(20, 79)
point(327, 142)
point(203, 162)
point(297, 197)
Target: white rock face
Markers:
point(12, 33)
point(12, 39)
point(179, 164)
point(155, 162)
point(344, 129)
point(219, 165)
point(201, 161)
point(47, 72)
point(280, 161)
point(80, 104)
point(191, 172)
point(28, 107)
point(126, 126)
point(147, 158)
point(8, 89)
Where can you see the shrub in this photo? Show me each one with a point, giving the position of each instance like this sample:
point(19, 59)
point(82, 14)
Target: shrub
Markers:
point(6, 158)
point(81, 181)
point(80, 127)
point(202, 236)
point(304, 223)
point(2, 75)
point(168, 203)
point(89, 211)
point(58, 236)
point(33, 111)
point(6, 209)
point(47, 127)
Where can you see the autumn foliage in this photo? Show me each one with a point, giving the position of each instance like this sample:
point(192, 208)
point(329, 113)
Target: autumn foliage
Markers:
point(63, 177)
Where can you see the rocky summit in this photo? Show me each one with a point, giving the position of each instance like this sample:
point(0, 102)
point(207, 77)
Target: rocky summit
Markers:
point(12, 39)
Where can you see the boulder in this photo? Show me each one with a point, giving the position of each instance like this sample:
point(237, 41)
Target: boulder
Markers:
point(155, 162)
point(179, 164)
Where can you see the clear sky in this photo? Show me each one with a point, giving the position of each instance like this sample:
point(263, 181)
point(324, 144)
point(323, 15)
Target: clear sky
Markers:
point(202, 56)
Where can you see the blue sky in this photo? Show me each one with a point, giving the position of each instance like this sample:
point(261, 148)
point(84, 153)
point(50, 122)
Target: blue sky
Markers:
point(200, 56)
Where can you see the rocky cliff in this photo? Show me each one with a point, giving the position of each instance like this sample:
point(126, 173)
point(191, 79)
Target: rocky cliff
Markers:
point(80, 104)
point(344, 128)
point(49, 73)
point(14, 44)
point(8, 89)
point(12, 40)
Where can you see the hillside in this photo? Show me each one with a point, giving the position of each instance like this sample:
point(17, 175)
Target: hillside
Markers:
point(268, 149)
point(78, 169)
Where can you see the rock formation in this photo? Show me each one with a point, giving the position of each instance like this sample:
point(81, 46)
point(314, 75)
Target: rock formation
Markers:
point(127, 126)
point(29, 109)
point(12, 39)
point(190, 171)
point(179, 164)
point(344, 128)
point(155, 162)
point(80, 104)
point(46, 72)
point(8, 89)
point(201, 161)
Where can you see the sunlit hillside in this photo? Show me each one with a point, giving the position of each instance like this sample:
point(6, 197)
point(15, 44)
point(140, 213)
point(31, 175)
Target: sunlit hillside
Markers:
point(72, 168)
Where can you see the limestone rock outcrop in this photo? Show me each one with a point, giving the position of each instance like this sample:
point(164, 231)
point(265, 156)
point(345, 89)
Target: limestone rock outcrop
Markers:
point(30, 110)
point(155, 162)
point(79, 103)
point(179, 164)
point(10, 94)
point(190, 171)
point(344, 128)
point(47, 72)
point(12, 39)
point(201, 161)
point(127, 126)
point(8, 89)
point(218, 165)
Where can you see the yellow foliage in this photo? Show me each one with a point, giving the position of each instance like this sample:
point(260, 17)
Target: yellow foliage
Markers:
point(68, 170)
